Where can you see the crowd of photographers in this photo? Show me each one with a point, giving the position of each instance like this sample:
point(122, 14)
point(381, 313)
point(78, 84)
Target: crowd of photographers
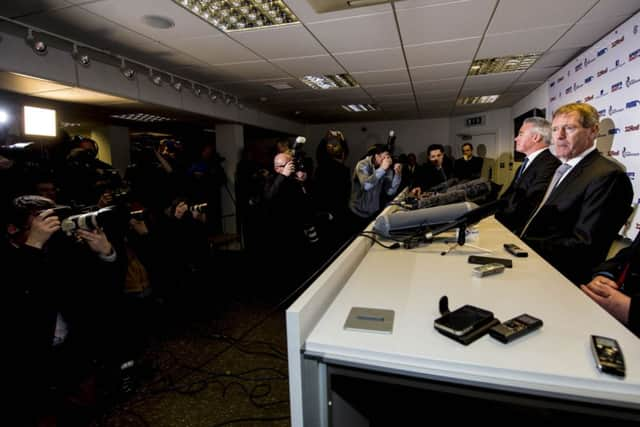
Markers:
point(95, 261)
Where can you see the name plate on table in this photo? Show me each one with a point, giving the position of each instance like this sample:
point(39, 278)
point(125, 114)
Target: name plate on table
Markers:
point(370, 320)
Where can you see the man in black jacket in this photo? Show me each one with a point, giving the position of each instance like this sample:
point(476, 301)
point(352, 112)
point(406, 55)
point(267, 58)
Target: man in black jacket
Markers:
point(616, 286)
point(532, 177)
point(587, 202)
point(468, 166)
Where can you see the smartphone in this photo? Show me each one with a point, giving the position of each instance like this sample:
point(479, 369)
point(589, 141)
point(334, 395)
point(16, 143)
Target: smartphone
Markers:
point(474, 259)
point(608, 355)
point(463, 320)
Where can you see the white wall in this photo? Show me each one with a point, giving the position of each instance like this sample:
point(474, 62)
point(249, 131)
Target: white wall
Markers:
point(536, 99)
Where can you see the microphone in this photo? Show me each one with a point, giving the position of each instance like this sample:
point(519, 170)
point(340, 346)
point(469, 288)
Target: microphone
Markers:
point(405, 220)
point(468, 191)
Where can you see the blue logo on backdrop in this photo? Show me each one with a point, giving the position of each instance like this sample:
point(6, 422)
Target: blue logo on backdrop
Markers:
point(631, 175)
point(614, 131)
point(635, 29)
point(634, 55)
point(568, 90)
point(578, 67)
point(601, 51)
point(552, 84)
point(616, 86)
point(632, 104)
point(602, 113)
point(602, 93)
point(619, 63)
point(626, 153)
point(588, 79)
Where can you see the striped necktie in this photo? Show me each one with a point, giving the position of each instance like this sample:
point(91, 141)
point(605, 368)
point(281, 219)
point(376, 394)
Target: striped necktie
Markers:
point(521, 169)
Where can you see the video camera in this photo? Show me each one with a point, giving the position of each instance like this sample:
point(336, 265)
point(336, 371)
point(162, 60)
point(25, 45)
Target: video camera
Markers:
point(298, 154)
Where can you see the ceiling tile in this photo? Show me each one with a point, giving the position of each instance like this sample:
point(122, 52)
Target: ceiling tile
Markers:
point(372, 60)
point(441, 52)
point(381, 77)
point(537, 74)
point(520, 42)
point(16, 9)
point(388, 89)
point(442, 71)
point(555, 58)
point(288, 41)
point(607, 8)
point(215, 49)
point(585, 33)
point(359, 33)
point(492, 81)
point(303, 10)
point(517, 15)
point(444, 21)
point(247, 71)
point(306, 65)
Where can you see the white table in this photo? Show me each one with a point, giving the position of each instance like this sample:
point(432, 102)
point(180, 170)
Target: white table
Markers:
point(554, 362)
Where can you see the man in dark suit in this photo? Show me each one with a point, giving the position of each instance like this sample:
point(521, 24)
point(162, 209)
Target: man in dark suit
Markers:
point(616, 286)
point(532, 177)
point(437, 170)
point(585, 207)
point(467, 167)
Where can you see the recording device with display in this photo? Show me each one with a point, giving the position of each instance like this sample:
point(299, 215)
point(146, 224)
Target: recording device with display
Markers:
point(515, 250)
point(488, 269)
point(515, 328)
point(608, 355)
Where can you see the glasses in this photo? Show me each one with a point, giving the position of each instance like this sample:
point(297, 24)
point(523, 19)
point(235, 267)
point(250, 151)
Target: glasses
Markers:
point(568, 129)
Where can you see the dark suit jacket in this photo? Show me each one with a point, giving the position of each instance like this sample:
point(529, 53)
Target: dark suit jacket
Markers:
point(524, 195)
point(582, 217)
point(468, 169)
point(614, 269)
point(428, 176)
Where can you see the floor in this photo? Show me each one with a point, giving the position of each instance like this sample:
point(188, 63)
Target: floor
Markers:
point(219, 359)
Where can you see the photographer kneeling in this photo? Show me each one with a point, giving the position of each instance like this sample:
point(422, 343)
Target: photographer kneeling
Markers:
point(62, 299)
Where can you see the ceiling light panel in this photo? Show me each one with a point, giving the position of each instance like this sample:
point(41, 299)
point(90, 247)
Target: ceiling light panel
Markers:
point(503, 64)
point(141, 117)
point(332, 81)
point(237, 15)
point(485, 99)
point(359, 108)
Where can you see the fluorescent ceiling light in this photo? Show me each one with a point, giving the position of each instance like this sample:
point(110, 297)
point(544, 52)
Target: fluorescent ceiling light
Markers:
point(485, 99)
point(4, 117)
point(279, 86)
point(358, 108)
point(39, 121)
point(236, 15)
point(503, 64)
point(141, 117)
point(332, 81)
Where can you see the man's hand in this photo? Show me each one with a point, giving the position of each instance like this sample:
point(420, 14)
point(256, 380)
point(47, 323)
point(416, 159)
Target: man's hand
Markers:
point(289, 168)
point(41, 229)
point(106, 199)
point(96, 240)
point(386, 162)
point(397, 168)
point(301, 176)
point(605, 292)
point(139, 226)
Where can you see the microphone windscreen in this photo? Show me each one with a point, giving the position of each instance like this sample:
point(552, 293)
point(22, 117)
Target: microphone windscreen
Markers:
point(405, 220)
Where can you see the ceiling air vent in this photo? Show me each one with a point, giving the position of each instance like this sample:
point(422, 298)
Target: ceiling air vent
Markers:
point(321, 6)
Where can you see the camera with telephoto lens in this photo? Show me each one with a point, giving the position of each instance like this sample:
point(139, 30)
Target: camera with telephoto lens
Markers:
point(298, 154)
point(199, 208)
point(88, 221)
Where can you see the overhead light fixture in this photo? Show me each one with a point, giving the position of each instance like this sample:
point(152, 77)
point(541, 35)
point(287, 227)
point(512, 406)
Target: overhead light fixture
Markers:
point(195, 89)
point(141, 117)
point(82, 59)
point(279, 85)
point(39, 121)
point(38, 46)
point(485, 99)
point(212, 96)
point(238, 15)
point(503, 64)
point(227, 99)
point(4, 117)
point(331, 81)
point(128, 72)
point(159, 22)
point(359, 108)
point(155, 78)
point(177, 85)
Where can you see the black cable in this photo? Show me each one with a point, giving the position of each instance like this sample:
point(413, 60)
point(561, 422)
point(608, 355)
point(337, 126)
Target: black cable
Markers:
point(395, 245)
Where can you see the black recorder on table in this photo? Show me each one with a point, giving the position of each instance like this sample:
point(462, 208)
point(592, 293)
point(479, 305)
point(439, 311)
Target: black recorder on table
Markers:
point(608, 355)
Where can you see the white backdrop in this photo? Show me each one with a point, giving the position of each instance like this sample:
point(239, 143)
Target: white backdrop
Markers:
point(607, 76)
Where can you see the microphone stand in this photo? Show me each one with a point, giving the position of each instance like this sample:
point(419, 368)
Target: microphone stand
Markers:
point(462, 231)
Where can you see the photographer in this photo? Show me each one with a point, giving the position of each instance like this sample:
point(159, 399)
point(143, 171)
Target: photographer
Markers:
point(374, 175)
point(61, 309)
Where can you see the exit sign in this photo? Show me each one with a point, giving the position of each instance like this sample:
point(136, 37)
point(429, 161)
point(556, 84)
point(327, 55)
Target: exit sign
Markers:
point(474, 121)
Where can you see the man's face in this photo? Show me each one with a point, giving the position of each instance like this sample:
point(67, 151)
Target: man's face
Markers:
point(380, 157)
point(436, 157)
point(569, 137)
point(467, 151)
point(526, 139)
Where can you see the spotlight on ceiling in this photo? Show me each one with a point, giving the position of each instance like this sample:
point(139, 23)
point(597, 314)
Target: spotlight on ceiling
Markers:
point(38, 46)
point(195, 89)
point(82, 59)
point(227, 99)
point(177, 85)
point(212, 96)
point(155, 79)
point(128, 72)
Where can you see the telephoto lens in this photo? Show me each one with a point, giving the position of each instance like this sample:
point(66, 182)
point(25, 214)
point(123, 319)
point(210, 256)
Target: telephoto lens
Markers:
point(200, 208)
point(86, 221)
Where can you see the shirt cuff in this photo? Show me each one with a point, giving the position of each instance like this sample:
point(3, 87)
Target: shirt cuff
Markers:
point(109, 258)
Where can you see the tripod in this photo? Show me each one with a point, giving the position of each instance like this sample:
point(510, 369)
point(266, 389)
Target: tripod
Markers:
point(462, 232)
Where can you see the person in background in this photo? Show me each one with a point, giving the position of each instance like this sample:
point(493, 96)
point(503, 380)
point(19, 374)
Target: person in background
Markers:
point(616, 286)
point(468, 166)
point(373, 175)
point(532, 177)
point(437, 170)
point(587, 201)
